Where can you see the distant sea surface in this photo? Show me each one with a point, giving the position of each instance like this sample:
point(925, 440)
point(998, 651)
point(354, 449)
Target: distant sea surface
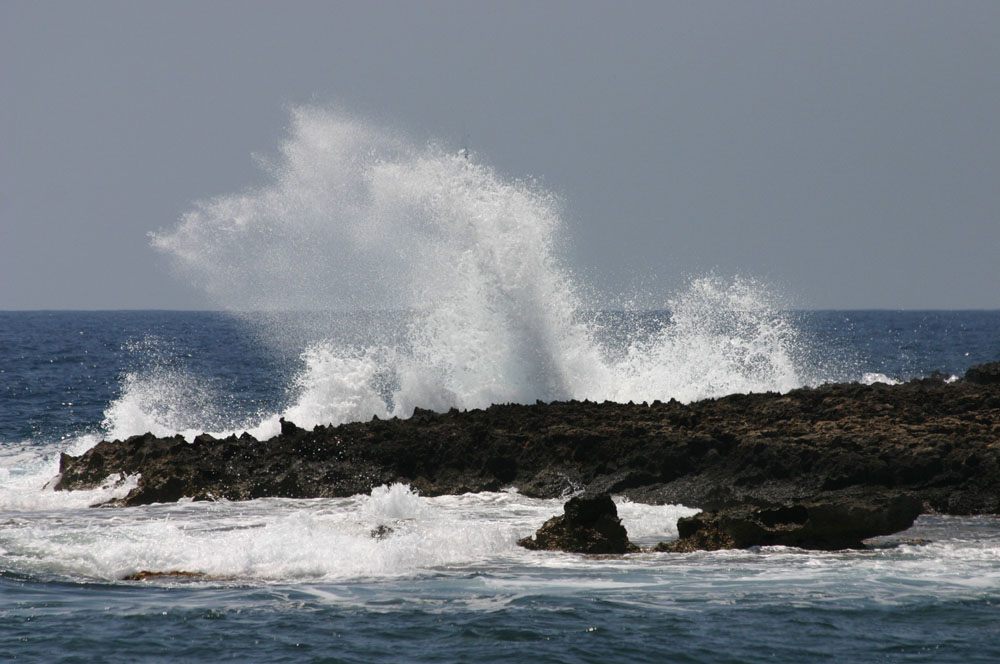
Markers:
point(304, 580)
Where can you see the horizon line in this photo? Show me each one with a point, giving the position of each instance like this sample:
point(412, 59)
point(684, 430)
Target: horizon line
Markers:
point(369, 311)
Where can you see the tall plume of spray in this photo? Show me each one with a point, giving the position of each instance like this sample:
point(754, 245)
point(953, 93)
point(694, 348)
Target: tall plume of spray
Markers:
point(356, 218)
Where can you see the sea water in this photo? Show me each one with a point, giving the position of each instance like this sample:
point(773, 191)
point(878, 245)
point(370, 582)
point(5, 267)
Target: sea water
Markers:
point(305, 580)
point(371, 276)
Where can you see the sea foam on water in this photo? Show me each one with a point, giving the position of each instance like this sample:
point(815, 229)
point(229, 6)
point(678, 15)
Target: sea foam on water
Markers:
point(391, 532)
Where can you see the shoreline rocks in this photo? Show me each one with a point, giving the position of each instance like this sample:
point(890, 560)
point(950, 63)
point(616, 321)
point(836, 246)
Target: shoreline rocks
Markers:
point(824, 526)
point(589, 524)
point(935, 441)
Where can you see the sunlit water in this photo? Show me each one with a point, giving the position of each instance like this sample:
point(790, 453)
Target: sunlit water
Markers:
point(298, 580)
point(459, 299)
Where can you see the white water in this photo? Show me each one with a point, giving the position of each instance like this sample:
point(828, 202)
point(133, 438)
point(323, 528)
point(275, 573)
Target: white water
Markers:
point(328, 539)
point(331, 540)
point(27, 471)
point(357, 218)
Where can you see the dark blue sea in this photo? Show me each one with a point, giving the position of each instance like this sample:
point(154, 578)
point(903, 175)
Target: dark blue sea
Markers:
point(303, 580)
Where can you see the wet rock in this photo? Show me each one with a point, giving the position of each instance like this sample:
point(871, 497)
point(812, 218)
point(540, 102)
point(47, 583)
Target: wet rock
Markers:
point(381, 531)
point(826, 525)
point(934, 440)
point(984, 374)
point(289, 428)
point(550, 482)
point(146, 575)
point(589, 524)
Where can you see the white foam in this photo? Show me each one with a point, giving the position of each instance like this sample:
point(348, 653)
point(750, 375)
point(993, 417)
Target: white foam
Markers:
point(276, 539)
point(336, 388)
point(391, 532)
point(723, 337)
point(872, 378)
point(159, 396)
point(356, 217)
point(395, 534)
point(649, 524)
point(27, 473)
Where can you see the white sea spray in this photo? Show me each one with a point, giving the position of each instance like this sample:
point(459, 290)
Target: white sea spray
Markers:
point(357, 218)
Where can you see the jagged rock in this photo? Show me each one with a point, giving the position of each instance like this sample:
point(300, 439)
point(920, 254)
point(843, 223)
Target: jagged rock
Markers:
point(590, 524)
point(937, 441)
point(548, 483)
point(827, 525)
point(984, 374)
point(289, 428)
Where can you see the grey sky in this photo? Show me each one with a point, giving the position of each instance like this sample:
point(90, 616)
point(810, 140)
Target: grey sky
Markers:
point(847, 152)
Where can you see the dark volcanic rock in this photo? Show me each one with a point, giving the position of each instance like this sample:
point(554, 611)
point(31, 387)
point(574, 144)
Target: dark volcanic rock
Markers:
point(828, 525)
point(590, 524)
point(936, 441)
point(984, 374)
point(145, 575)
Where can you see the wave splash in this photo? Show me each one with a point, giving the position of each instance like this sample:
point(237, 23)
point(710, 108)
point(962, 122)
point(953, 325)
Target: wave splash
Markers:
point(356, 218)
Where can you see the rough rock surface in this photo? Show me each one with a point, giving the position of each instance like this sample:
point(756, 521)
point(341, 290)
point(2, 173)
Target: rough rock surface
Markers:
point(984, 374)
point(830, 525)
point(937, 441)
point(146, 575)
point(589, 524)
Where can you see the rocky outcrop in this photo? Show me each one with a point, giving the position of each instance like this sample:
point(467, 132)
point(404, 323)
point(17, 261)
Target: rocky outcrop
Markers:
point(984, 374)
point(938, 442)
point(589, 524)
point(826, 525)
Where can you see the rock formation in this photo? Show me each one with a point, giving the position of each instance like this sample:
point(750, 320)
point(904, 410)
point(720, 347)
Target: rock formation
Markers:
point(589, 524)
point(935, 441)
point(828, 525)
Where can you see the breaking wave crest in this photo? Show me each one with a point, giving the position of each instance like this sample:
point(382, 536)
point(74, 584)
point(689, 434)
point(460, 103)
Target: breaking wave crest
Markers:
point(359, 219)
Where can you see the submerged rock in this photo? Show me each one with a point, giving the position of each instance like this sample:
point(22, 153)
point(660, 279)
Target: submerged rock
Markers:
point(590, 524)
point(381, 531)
point(824, 525)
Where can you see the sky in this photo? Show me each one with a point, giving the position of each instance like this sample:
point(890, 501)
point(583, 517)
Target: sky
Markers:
point(846, 152)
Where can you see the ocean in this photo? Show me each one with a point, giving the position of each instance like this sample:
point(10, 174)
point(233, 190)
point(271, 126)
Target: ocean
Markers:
point(304, 580)
point(369, 276)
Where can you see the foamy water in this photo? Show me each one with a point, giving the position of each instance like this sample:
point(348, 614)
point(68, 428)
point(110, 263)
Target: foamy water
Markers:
point(394, 533)
point(390, 533)
point(27, 473)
